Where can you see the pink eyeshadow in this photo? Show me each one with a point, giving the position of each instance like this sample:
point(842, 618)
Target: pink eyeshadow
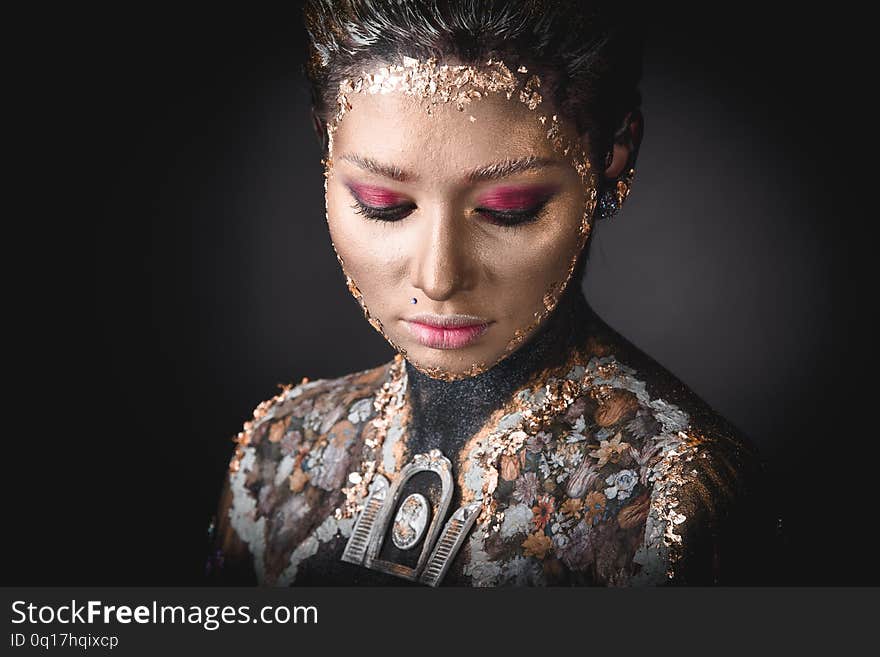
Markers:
point(377, 197)
point(514, 197)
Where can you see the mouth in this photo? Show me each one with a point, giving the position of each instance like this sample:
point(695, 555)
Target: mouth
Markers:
point(446, 331)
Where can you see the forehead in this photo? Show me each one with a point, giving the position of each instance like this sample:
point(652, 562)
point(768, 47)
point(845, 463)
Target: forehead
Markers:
point(395, 127)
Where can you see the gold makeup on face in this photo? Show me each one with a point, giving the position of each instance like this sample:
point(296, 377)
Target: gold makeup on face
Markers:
point(459, 99)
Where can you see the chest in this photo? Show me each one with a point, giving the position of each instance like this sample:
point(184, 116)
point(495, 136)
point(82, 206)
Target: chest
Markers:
point(561, 524)
point(558, 490)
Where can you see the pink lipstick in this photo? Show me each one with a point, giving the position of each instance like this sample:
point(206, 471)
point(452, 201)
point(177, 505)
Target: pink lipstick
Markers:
point(446, 331)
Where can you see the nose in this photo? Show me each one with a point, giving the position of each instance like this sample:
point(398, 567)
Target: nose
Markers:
point(443, 261)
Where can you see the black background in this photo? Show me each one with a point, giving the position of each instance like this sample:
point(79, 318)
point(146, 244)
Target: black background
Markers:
point(172, 265)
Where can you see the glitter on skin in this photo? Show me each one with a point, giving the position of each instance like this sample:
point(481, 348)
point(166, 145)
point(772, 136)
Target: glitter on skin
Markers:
point(434, 84)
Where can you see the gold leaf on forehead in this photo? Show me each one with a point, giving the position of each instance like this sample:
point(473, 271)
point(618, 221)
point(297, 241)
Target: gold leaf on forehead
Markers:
point(434, 84)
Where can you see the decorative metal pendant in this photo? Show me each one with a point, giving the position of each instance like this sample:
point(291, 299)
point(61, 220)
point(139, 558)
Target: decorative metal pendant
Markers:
point(410, 521)
point(411, 524)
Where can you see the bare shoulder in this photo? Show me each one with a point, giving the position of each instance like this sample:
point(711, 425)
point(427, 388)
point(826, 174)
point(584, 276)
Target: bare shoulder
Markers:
point(289, 467)
point(660, 388)
point(701, 472)
point(620, 476)
point(309, 410)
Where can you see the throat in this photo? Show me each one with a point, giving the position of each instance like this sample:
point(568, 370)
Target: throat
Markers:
point(445, 414)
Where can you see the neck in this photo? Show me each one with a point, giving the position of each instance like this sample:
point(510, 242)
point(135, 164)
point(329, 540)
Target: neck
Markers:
point(445, 414)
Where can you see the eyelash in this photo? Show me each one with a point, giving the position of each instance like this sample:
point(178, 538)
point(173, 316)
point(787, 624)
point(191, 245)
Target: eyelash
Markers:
point(515, 218)
point(508, 219)
point(385, 215)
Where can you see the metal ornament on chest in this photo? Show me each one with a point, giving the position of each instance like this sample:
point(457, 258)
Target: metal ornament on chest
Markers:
point(409, 523)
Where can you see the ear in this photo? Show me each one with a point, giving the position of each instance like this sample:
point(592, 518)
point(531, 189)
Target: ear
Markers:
point(627, 140)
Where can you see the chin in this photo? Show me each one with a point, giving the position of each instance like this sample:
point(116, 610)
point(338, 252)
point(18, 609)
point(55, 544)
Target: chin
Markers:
point(457, 364)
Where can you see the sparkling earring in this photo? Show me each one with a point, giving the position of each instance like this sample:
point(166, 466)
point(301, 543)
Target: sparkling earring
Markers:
point(614, 193)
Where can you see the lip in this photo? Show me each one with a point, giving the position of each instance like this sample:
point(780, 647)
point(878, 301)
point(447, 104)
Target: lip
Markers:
point(446, 331)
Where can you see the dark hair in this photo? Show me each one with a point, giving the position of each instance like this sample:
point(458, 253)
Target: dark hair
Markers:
point(589, 55)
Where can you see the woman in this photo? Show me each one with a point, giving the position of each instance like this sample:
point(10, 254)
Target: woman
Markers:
point(515, 439)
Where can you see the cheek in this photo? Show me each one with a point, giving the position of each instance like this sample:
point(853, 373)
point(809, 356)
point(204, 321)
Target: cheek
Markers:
point(535, 258)
point(363, 245)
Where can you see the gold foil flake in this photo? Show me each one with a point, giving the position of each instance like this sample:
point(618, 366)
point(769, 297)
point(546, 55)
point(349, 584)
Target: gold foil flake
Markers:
point(490, 482)
point(559, 394)
point(670, 474)
point(601, 393)
point(261, 412)
point(550, 295)
point(243, 438)
point(529, 94)
point(358, 296)
point(608, 370)
point(515, 441)
point(235, 462)
point(428, 81)
point(436, 84)
point(388, 402)
point(442, 375)
point(624, 184)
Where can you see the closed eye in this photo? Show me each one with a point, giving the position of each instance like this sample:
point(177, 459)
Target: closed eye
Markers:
point(514, 217)
point(380, 204)
point(390, 213)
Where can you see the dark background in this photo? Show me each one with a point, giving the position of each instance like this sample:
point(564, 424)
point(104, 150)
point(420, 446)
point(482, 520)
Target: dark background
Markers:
point(179, 268)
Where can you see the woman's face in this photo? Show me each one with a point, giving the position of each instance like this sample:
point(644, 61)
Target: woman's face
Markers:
point(471, 213)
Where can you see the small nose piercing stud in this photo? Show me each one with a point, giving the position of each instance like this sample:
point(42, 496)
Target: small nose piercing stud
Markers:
point(414, 300)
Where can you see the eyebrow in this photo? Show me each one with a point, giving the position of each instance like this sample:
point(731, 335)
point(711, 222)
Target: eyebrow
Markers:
point(494, 171)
